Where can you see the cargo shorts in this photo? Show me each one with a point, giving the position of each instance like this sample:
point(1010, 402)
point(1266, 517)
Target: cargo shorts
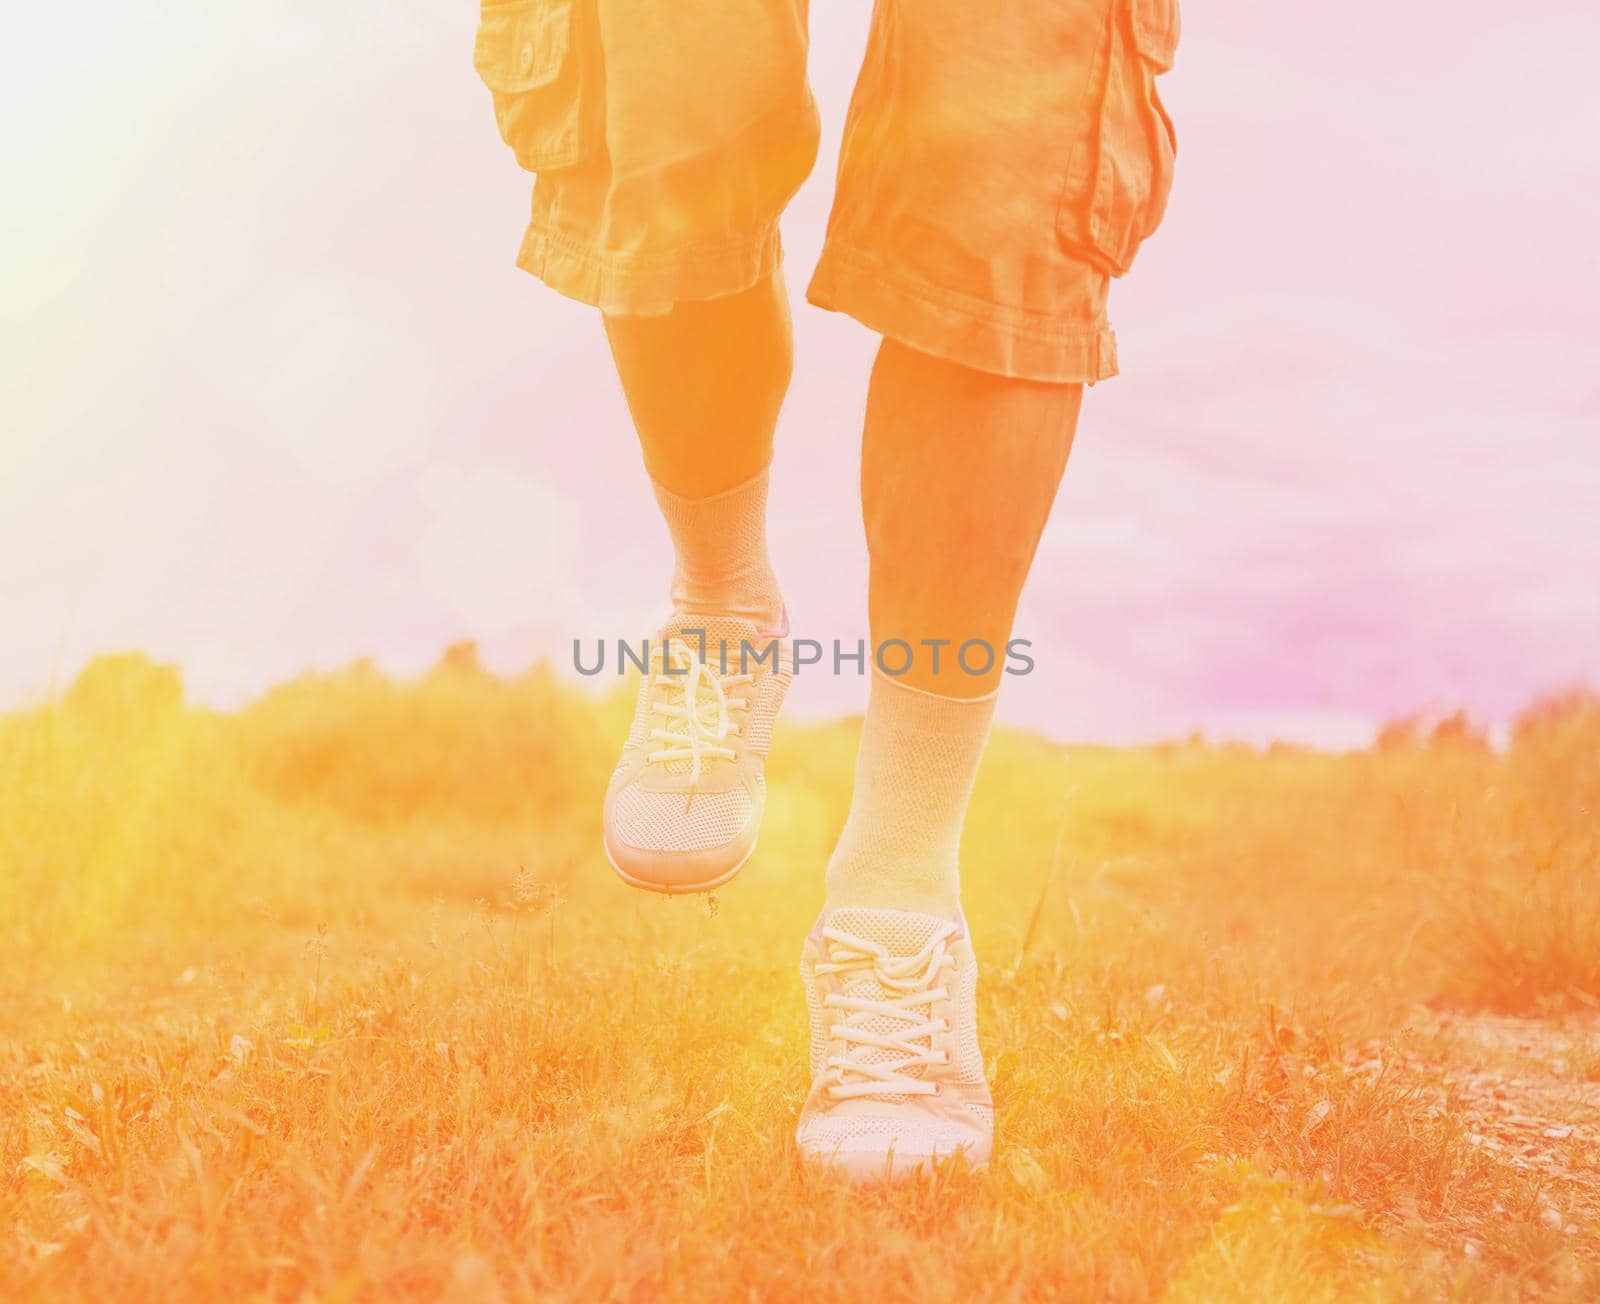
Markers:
point(1001, 161)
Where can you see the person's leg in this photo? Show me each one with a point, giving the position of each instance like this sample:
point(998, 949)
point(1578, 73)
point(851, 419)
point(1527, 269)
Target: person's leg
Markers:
point(959, 469)
point(986, 241)
point(704, 384)
point(667, 139)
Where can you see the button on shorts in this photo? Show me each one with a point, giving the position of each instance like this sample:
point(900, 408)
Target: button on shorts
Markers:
point(1001, 161)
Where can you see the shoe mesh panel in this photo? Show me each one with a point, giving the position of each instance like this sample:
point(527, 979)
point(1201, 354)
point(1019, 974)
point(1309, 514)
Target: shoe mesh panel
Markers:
point(969, 1056)
point(816, 1014)
point(676, 821)
point(770, 689)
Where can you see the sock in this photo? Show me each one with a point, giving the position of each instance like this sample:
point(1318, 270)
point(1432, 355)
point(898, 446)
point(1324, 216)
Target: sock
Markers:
point(721, 546)
point(919, 754)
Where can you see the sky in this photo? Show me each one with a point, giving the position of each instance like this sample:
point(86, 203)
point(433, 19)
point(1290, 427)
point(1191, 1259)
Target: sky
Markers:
point(273, 395)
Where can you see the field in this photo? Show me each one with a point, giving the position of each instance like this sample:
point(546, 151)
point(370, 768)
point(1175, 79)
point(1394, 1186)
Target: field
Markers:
point(335, 998)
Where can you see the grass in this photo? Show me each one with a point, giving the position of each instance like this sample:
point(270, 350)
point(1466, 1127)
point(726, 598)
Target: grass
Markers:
point(335, 998)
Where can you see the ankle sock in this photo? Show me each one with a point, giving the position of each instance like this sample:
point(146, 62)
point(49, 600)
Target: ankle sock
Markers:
point(721, 553)
point(919, 755)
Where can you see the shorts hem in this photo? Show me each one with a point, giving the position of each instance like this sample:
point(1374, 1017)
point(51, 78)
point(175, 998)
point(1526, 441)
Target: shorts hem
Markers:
point(949, 325)
point(648, 286)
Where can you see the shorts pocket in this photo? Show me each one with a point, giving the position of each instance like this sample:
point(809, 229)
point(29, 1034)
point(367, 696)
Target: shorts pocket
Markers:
point(529, 54)
point(1119, 177)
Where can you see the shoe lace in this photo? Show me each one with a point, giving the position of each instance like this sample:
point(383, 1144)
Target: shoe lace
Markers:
point(695, 713)
point(911, 985)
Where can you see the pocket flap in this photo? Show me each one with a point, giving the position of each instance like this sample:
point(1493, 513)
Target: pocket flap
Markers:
point(1155, 31)
point(521, 45)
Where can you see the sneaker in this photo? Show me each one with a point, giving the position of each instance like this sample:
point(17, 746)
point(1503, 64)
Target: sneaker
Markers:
point(684, 805)
point(896, 1075)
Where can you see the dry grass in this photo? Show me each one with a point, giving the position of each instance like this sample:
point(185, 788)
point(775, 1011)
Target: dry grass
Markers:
point(335, 998)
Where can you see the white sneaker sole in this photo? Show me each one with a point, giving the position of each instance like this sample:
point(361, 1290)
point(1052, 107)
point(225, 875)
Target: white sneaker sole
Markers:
point(885, 1168)
point(678, 889)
